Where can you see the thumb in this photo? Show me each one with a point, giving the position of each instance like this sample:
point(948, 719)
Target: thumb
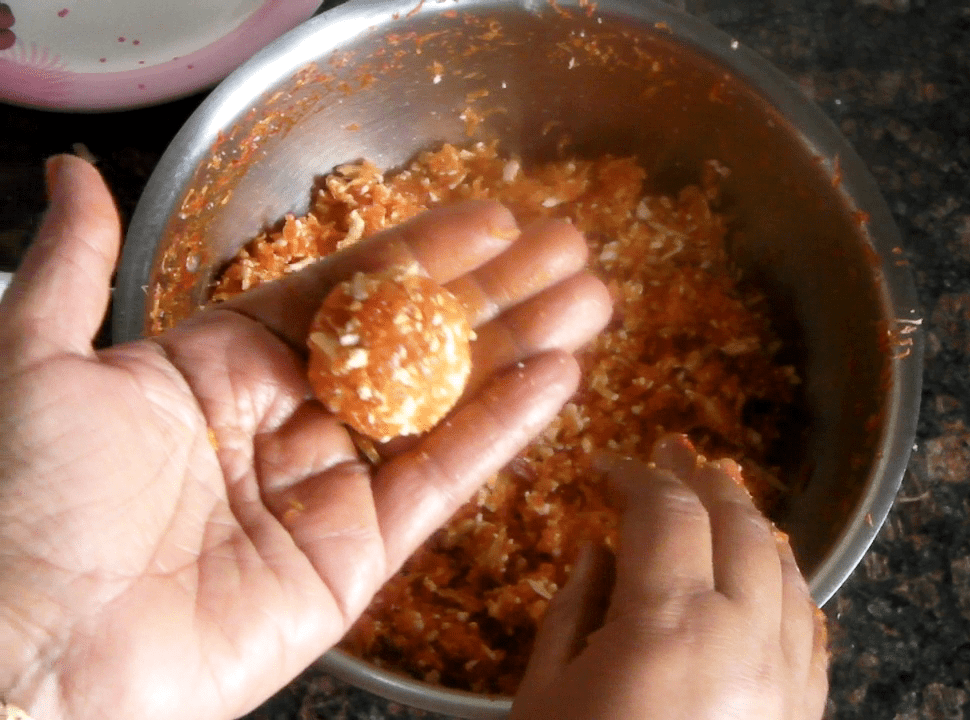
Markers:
point(59, 294)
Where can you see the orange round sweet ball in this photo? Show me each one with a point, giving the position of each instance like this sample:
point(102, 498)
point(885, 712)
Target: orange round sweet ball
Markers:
point(390, 353)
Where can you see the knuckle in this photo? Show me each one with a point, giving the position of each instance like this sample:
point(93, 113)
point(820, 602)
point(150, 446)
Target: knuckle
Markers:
point(679, 608)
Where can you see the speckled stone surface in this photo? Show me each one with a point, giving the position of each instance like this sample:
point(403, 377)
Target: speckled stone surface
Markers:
point(895, 76)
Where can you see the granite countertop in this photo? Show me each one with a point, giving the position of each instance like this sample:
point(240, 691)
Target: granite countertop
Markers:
point(895, 76)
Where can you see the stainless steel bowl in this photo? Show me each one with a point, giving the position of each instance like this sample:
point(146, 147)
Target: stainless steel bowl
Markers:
point(808, 221)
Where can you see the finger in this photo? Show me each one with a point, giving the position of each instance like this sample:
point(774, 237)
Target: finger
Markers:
point(310, 442)
point(676, 453)
point(59, 294)
point(797, 613)
point(331, 518)
point(312, 481)
point(445, 243)
point(573, 613)
point(418, 491)
point(747, 567)
point(547, 252)
point(567, 316)
point(817, 687)
point(664, 552)
point(745, 552)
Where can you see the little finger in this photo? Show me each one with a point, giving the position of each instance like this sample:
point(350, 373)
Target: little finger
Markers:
point(664, 551)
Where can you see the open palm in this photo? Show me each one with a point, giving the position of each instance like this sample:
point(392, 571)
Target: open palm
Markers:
point(182, 527)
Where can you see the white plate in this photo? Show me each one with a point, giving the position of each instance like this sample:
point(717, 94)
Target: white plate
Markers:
point(114, 54)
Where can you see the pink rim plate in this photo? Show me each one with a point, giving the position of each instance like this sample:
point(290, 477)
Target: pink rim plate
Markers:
point(37, 78)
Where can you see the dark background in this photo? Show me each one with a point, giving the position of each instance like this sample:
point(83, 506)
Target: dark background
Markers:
point(895, 76)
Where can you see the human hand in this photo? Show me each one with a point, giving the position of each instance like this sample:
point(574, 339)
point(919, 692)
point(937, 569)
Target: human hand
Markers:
point(182, 527)
point(709, 617)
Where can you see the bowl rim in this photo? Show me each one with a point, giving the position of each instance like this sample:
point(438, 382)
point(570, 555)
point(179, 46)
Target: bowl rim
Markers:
point(319, 36)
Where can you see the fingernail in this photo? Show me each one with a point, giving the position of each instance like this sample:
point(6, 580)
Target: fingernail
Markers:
point(727, 466)
point(503, 232)
point(603, 461)
point(822, 626)
point(676, 453)
point(502, 224)
point(781, 537)
point(626, 477)
point(584, 561)
point(52, 172)
point(731, 468)
point(612, 463)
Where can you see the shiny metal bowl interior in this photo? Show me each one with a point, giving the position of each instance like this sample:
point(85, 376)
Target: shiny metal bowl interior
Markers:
point(807, 219)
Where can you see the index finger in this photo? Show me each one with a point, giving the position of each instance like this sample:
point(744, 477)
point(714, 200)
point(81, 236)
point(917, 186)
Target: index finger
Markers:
point(745, 551)
point(664, 554)
point(445, 244)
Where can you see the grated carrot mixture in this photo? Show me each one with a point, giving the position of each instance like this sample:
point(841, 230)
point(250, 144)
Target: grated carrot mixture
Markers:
point(690, 349)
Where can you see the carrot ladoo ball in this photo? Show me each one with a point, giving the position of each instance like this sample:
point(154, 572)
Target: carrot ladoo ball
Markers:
point(389, 353)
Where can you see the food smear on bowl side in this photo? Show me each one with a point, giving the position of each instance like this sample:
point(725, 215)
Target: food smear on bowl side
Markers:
point(690, 348)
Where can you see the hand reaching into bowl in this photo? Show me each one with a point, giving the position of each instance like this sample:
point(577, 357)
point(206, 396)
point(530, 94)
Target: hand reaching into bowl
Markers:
point(182, 529)
point(708, 617)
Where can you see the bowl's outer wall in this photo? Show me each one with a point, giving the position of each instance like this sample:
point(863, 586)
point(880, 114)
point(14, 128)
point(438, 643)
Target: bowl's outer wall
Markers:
point(795, 208)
